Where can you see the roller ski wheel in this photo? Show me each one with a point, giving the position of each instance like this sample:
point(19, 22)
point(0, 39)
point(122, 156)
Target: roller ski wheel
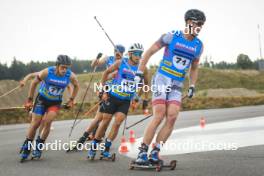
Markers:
point(35, 158)
point(91, 158)
point(159, 166)
point(113, 157)
point(131, 165)
point(173, 164)
point(22, 160)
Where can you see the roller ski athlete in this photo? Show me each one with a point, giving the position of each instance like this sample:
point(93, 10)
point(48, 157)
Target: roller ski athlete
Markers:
point(53, 81)
point(182, 52)
point(107, 61)
point(31, 76)
point(119, 96)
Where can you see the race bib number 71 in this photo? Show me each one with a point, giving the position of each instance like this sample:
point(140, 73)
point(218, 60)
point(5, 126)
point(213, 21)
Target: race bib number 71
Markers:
point(180, 62)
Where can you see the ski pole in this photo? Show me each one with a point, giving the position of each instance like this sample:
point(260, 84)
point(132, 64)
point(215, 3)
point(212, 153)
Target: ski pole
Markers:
point(104, 31)
point(88, 112)
point(185, 96)
point(88, 87)
point(139, 121)
point(9, 92)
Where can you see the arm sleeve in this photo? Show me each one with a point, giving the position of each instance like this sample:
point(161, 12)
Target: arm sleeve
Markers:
point(165, 39)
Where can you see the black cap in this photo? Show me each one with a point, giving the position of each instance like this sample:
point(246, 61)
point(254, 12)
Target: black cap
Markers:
point(195, 14)
point(63, 60)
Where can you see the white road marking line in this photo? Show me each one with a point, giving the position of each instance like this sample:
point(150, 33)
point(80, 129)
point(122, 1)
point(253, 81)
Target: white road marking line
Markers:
point(229, 135)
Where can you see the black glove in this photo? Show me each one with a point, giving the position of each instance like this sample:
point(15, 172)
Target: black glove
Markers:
point(191, 91)
point(103, 96)
point(136, 100)
point(145, 104)
point(100, 94)
point(99, 55)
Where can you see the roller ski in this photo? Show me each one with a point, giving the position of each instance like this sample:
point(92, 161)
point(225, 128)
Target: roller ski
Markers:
point(153, 162)
point(157, 165)
point(105, 155)
point(24, 152)
point(37, 152)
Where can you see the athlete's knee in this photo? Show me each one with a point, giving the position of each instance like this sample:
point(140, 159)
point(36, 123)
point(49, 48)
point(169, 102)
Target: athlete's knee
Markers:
point(35, 123)
point(171, 118)
point(117, 123)
point(47, 121)
point(119, 119)
point(99, 117)
point(159, 116)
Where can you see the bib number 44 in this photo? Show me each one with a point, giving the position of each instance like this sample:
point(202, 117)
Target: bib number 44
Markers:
point(55, 91)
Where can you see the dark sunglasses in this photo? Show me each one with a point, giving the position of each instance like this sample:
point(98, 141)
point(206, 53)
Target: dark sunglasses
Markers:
point(137, 53)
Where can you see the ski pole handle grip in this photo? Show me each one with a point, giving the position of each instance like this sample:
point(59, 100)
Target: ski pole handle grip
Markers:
point(99, 55)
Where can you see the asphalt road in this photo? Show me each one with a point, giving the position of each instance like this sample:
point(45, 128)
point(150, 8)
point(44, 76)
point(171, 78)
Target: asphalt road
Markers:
point(244, 161)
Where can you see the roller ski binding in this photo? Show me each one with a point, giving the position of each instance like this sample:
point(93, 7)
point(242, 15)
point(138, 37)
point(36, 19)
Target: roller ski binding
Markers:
point(107, 156)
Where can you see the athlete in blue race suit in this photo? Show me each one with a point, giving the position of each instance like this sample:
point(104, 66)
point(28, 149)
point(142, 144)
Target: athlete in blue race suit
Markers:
point(53, 81)
point(120, 94)
point(182, 53)
point(92, 127)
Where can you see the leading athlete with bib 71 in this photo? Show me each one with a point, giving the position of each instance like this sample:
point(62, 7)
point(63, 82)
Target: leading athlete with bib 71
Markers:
point(182, 52)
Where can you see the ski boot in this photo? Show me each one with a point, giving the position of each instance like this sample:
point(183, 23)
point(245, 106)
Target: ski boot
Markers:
point(155, 160)
point(25, 150)
point(92, 151)
point(36, 154)
point(142, 158)
point(106, 154)
point(79, 142)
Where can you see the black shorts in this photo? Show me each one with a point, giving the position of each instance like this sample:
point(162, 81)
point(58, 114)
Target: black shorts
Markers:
point(113, 105)
point(42, 105)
